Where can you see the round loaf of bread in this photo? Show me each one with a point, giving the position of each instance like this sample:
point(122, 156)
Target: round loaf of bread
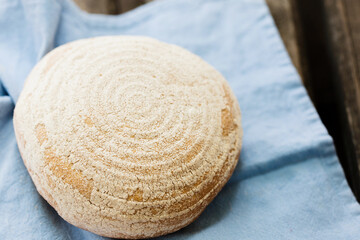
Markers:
point(126, 136)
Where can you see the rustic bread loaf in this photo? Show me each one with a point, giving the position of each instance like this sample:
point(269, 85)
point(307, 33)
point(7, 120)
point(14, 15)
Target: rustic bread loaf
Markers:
point(127, 137)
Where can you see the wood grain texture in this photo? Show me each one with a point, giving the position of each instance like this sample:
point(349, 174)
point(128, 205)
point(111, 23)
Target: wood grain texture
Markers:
point(126, 5)
point(109, 6)
point(343, 28)
point(330, 32)
point(95, 6)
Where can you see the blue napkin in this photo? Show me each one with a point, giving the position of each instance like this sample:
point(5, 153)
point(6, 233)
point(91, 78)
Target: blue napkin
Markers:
point(289, 183)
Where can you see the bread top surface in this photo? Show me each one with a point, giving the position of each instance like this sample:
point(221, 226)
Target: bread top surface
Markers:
point(127, 129)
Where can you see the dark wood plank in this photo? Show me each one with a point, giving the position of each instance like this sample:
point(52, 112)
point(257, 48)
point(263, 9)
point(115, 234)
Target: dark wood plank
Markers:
point(98, 6)
point(109, 6)
point(126, 5)
point(330, 30)
point(343, 25)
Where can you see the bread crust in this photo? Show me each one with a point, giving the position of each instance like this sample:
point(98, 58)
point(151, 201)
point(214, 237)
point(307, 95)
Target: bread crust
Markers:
point(145, 139)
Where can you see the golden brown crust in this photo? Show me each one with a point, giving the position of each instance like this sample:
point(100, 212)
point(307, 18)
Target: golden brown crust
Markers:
point(135, 149)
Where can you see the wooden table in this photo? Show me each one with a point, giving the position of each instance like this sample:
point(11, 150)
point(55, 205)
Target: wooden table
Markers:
point(325, 47)
point(323, 40)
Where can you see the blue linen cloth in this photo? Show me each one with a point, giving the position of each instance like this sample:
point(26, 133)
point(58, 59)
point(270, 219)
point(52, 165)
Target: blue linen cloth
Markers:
point(289, 184)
